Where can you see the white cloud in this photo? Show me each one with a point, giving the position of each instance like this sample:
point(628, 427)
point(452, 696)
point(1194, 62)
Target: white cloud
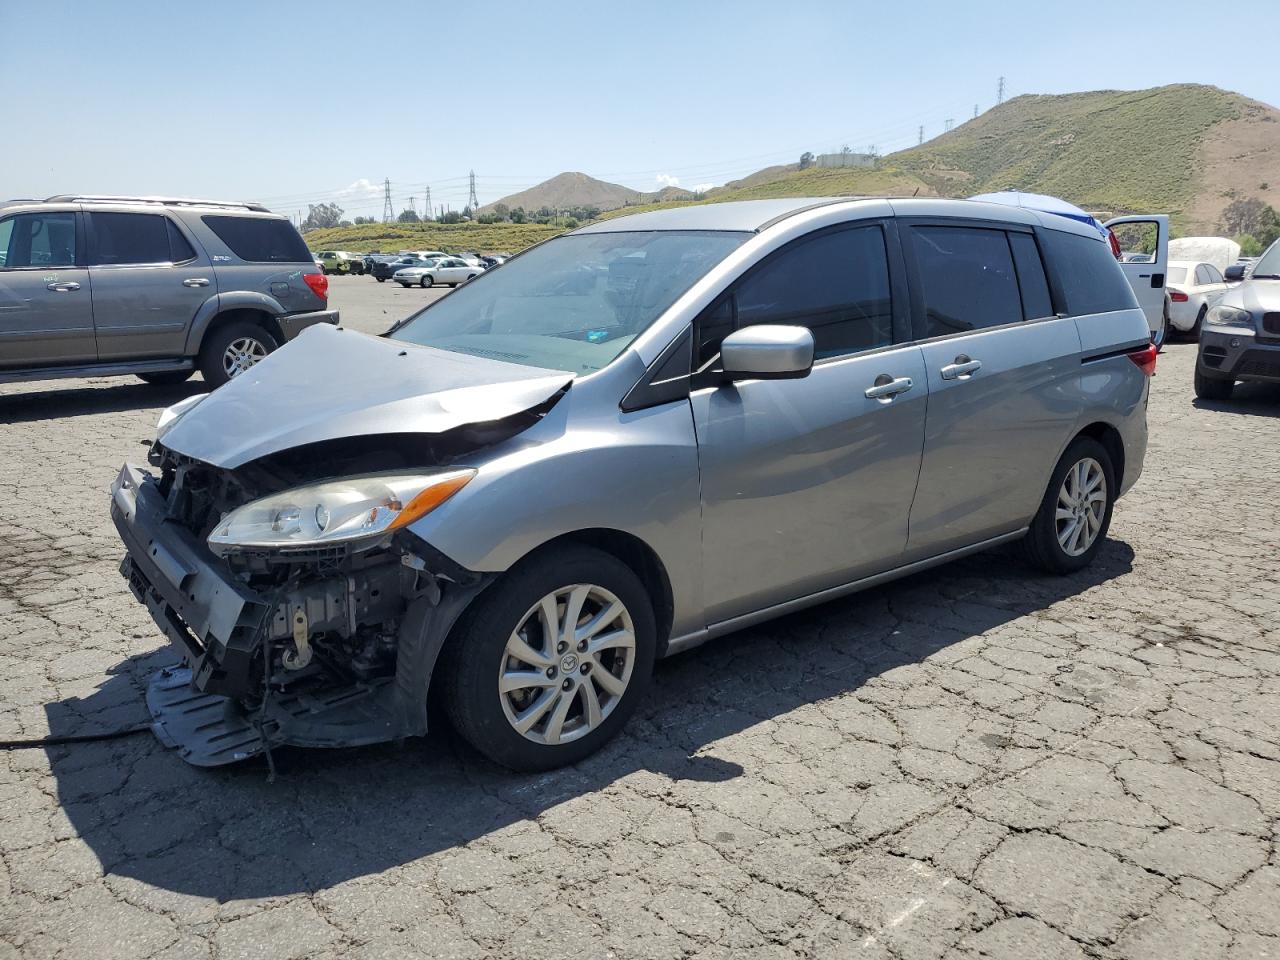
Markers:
point(667, 180)
point(360, 188)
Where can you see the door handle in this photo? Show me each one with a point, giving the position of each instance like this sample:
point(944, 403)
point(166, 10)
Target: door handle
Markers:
point(195, 282)
point(62, 286)
point(887, 387)
point(962, 369)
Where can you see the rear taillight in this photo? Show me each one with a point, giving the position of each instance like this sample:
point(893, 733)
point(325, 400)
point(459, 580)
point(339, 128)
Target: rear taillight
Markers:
point(1115, 244)
point(318, 283)
point(1145, 359)
point(1177, 296)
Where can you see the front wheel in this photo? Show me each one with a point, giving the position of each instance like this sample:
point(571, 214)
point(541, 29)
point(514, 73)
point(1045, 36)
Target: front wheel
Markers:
point(232, 349)
point(1075, 514)
point(552, 659)
point(426, 282)
point(1213, 388)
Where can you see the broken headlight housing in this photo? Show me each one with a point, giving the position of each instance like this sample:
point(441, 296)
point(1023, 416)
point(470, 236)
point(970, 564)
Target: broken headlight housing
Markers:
point(354, 511)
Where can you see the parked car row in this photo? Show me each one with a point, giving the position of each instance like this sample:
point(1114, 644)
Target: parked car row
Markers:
point(339, 261)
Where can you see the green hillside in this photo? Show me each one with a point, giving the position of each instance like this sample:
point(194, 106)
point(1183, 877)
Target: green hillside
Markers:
point(1106, 150)
point(449, 237)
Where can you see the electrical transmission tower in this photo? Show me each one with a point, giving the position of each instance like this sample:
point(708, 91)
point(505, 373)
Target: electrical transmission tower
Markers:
point(413, 205)
point(920, 136)
point(947, 125)
point(975, 111)
point(1000, 91)
point(426, 206)
point(387, 213)
point(472, 201)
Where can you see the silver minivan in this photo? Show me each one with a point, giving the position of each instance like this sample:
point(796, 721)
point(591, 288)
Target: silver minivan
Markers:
point(626, 441)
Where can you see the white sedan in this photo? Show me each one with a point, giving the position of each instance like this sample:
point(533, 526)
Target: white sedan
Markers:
point(448, 270)
point(1193, 288)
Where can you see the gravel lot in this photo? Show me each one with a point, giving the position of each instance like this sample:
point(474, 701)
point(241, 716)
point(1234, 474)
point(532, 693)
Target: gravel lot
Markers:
point(975, 762)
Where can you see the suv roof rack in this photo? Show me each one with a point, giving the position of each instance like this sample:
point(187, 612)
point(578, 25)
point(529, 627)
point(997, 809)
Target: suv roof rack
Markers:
point(164, 201)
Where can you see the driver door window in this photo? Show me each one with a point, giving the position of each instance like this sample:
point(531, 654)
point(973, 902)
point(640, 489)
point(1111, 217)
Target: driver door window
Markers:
point(835, 283)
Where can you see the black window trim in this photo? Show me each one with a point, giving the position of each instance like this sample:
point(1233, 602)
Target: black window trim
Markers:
point(180, 227)
point(81, 254)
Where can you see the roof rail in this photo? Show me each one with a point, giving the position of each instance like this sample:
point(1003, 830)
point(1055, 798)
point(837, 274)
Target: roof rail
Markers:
point(164, 201)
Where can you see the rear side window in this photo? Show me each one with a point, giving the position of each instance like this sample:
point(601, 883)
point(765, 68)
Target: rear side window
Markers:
point(836, 284)
point(129, 238)
point(180, 249)
point(1031, 279)
point(260, 239)
point(967, 279)
point(1091, 278)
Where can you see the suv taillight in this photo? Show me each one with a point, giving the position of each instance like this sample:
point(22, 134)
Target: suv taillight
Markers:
point(1145, 359)
point(318, 283)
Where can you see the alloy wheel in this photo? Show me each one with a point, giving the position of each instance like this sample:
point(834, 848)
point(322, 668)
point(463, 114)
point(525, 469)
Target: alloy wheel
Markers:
point(241, 354)
point(1082, 505)
point(567, 664)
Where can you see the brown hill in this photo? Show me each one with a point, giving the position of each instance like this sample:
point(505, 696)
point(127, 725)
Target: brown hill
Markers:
point(570, 190)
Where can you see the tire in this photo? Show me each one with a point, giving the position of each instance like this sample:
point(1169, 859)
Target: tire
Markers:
point(1194, 333)
point(1161, 336)
point(1213, 388)
point(166, 378)
point(324, 270)
point(213, 361)
point(405, 285)
point(480, 647)
point(470, 277)
point(381, 279)
point(426, 281)
point(1044, 543)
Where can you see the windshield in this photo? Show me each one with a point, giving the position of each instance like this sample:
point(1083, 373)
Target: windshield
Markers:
point(1268, 265)
point(572, 303)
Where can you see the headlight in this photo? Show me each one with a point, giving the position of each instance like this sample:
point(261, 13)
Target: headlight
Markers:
point(1224, 316)
point(171, 415)
point(355, 509)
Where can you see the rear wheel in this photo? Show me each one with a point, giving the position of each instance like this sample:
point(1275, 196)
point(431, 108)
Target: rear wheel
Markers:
point(166, 378)
point(1074, 515)
point(232, 349)
point(1213, 388)
point(1194, 333)
point(381, 279)
point(1162, 332)
point(552, 659)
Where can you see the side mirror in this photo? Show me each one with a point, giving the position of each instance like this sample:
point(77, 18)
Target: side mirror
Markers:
point(767, 352)
point(1234, 273)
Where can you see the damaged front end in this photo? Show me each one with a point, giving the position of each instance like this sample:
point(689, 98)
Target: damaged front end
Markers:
point(306, 641)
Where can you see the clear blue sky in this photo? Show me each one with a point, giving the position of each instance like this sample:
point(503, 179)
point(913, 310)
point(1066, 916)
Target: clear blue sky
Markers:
point(290, 102)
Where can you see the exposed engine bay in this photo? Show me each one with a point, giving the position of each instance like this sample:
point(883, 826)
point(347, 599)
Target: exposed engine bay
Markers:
point(328, 646)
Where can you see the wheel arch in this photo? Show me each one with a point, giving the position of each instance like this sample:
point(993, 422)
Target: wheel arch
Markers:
point(1112, 441)
point(257, 315)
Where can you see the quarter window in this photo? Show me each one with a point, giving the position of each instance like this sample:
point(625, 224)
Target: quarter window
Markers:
point(1212, 273)
point(129, 238)
point(967, 279)
point(1091, 278)
point(39, 240)
point(836, 284)
point(180, 249)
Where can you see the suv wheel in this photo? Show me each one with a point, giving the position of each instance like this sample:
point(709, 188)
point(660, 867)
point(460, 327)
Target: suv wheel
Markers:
point(166, 378)
point(232, 349)
point(551, 660)
point(1074, 515)
point(1212, 388)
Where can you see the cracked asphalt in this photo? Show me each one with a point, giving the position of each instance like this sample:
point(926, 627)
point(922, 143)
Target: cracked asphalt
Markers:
point(977, 762)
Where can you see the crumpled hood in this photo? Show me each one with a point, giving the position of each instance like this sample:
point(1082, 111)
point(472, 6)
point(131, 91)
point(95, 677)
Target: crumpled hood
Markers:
point(332, 383)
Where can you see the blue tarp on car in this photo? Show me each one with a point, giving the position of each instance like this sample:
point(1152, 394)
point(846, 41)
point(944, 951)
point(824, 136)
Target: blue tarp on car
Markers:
point(1045, 204)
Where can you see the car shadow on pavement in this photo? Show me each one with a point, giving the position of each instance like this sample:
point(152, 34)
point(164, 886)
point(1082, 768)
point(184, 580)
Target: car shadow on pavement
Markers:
point(58, 404)
point(335, 815)
point(1251, 399)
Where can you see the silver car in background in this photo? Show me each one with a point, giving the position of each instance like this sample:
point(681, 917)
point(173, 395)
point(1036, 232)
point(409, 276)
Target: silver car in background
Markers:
point(447, 271)
point(630, 439)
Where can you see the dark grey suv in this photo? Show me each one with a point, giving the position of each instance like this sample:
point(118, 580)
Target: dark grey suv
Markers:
point(152, 286)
